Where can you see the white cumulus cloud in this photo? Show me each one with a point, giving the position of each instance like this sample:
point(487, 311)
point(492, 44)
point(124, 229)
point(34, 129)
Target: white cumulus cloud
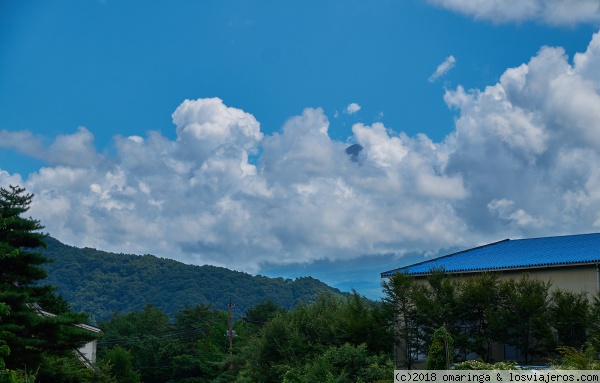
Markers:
point(523, 160)
point(352, 108)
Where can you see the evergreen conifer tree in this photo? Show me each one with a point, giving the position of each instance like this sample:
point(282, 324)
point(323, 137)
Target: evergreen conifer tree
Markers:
point(25, 330)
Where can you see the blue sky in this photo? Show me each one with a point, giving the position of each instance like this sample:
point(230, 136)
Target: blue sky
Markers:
point(250, 173)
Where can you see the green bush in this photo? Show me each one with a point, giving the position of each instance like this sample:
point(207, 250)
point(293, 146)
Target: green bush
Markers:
point(346, 363)
point(573, 359)
point(441, 351)
point(480, 365)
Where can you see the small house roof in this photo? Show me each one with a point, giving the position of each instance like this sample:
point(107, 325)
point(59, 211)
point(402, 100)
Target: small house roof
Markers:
point(43, 313)
point(568, 250)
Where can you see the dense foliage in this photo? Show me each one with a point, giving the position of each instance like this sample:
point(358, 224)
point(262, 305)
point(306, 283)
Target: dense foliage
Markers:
point(311, 337)
point(480, 365)
point(480, 310)
point(333, 339)
point(441, 351)
point(586, 358)
point(102, 283)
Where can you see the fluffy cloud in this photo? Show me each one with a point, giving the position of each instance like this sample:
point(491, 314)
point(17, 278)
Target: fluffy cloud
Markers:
point(72, 150)
point(352, 108)
point(556, 12)
point(528, 146)
point(522, 161)
point(23, 142)
point(206, 126)
point(443, 68)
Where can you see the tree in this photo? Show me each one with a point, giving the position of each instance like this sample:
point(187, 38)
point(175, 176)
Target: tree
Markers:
point(399, 295)
point(476, 304)
point(346, 363)
point(262, 313)
point(586, 358)
point(191, 349)
point(148, 335)
point(28, 334)
point(594, 325)
point(436, 306)
point(313, 339)
point(570, 317)
point(69, 369)
point(523, 316)
point(6, 376)
point(119, 361)
point(441, 354)
point(363, 321)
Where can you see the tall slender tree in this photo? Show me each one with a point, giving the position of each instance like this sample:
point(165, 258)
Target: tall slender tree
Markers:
point(594, 325)
point(476, 306)
point(399, 296)
point(570, 316)
point(26, 330)
point(524, 317)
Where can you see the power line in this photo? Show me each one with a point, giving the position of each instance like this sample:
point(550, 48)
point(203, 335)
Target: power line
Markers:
point(145, 338)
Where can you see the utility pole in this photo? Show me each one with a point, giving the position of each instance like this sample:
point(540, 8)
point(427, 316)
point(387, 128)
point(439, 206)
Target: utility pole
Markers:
point(230, 332)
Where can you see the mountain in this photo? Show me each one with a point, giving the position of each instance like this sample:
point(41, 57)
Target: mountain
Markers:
point(101, 283)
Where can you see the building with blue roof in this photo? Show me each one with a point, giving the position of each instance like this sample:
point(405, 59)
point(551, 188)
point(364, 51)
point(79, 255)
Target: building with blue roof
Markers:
point(569, 262)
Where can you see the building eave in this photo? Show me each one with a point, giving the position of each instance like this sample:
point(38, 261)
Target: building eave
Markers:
point(390, 273)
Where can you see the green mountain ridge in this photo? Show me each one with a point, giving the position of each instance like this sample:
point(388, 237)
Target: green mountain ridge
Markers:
point(102, 283)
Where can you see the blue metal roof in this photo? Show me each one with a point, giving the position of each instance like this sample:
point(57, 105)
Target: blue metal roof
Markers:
point(509, 254)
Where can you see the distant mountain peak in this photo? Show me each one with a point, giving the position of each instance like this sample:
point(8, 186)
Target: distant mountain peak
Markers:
point(354, 151)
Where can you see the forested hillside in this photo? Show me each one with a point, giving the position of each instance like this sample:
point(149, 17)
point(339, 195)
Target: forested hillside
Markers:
point(101, 283)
